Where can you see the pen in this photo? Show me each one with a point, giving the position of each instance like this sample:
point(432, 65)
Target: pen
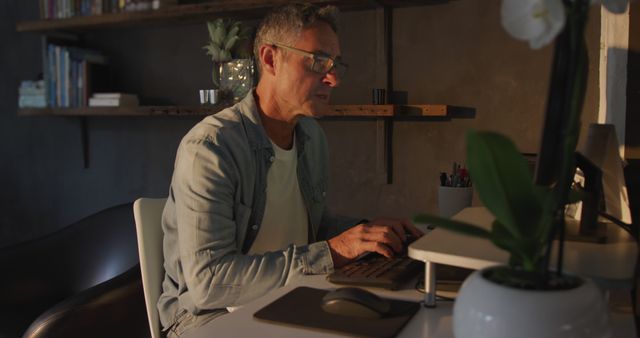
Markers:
point(458, 178)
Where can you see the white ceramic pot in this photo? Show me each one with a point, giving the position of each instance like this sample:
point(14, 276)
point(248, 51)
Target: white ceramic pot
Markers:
point(484, 309)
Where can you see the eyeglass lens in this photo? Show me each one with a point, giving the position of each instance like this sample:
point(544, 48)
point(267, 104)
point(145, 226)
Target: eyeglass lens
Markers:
point(325, 65)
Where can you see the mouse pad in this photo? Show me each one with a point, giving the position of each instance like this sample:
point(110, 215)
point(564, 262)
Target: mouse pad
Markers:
point(301, 307)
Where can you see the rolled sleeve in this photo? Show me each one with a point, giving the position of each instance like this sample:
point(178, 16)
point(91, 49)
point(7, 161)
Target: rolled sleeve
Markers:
point(317, 260)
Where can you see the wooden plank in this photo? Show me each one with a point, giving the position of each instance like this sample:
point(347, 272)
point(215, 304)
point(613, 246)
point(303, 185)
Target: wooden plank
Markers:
point(186, 110)
point(371, 110)
point(186, 13)
point(408, 3)
point(424, 110)
point(363, 110)
point(124, 111)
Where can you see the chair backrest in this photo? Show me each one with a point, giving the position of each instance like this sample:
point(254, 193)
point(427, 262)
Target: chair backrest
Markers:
point(147, 213)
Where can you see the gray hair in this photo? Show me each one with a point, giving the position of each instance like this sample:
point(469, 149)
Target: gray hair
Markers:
point(285, 24)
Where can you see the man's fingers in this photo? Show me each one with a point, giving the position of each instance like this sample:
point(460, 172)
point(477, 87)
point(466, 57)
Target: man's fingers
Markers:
point(398, 225)
point(380, 248)
point(414, 231)
point(386, 235)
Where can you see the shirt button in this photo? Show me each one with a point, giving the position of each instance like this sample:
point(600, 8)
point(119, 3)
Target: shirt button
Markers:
point(254, 227)
point(272, 158)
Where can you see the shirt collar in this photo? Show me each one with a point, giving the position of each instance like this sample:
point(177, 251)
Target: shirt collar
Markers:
point(256, 134)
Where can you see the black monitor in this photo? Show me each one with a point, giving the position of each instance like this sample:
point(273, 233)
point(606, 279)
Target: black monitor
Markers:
point(599, 162)
point(589, 229)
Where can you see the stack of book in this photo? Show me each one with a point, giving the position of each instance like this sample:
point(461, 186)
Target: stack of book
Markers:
point(72, 73)
point(32, 94)
point(113, 100)
point(62, 9)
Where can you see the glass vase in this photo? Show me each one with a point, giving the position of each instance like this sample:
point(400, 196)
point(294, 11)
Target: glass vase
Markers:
point(234, 78)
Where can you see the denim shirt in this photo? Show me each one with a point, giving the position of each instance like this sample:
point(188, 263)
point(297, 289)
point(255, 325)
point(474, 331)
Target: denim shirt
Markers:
point(215, 206)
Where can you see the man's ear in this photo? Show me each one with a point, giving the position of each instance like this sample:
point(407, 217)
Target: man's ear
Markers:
point(268, 59)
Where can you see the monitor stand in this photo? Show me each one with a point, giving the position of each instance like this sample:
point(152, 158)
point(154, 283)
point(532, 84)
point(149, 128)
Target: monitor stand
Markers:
point(588, 229)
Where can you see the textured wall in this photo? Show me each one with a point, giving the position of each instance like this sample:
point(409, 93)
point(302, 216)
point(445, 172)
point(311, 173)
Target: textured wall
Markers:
point(633, 85)
point(454, 54)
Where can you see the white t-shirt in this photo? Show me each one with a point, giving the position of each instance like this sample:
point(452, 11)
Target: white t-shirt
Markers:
point(285, 218)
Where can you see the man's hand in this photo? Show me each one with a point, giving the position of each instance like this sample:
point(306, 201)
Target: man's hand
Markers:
point(382, 235)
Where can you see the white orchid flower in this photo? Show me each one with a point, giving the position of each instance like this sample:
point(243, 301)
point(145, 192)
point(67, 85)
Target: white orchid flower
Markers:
point(536, 21)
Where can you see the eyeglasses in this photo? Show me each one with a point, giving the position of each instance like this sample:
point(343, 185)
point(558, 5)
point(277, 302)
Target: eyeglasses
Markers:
point(321, 63)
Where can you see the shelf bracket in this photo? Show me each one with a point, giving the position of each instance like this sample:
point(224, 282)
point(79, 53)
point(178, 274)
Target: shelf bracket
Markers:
point(388, 122)
point(388, 147)
point(84, 136)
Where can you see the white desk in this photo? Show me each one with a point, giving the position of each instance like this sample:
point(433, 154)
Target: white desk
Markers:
point(611, 265)
point(428, 323)
point(612, 262)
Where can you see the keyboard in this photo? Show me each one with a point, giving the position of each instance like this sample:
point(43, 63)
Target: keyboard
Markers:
point(378, 271)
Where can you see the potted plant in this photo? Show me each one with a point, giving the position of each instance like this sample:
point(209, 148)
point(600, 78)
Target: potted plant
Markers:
point(230, 49)
point(525, 298)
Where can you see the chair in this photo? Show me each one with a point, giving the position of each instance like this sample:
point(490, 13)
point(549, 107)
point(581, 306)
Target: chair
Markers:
point(147, 213)
point(80, 281)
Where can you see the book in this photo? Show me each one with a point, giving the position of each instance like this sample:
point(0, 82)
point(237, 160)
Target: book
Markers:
point(113, 96)
point(72, 73)
point(157, 4)
point(32, 94)
point(125, 101)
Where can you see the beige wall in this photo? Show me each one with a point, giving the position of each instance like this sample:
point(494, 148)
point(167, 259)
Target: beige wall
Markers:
point(456, 54)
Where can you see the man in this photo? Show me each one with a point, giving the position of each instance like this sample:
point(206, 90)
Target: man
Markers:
point(249, 185)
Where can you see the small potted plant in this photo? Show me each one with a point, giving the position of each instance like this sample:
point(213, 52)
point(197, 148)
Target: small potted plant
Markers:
point(526, 298)
point(229, 46)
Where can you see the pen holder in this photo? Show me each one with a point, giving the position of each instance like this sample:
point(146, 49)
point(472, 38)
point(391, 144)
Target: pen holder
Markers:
point(453, 199)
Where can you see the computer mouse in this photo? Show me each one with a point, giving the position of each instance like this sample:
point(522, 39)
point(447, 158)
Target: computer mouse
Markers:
point(355, 302)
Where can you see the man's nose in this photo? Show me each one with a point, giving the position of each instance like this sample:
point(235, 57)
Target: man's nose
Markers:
point(331, 79)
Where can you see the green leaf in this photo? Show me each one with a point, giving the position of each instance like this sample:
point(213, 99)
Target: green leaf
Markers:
point(233, 32)
point(225, 56)
point(449, 224)
point(219, 32)
point(214, 51)
point(211, 28)
point(523, 252)
point(503, 181)
point(542, 193)
point(229, 45)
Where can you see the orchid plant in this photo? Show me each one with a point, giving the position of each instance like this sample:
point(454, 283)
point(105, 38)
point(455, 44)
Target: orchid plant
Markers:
point(529, 216)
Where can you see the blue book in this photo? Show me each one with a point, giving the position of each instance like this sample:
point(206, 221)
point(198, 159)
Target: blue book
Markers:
point(58, 76)
point(63, 71)
point(51, 75)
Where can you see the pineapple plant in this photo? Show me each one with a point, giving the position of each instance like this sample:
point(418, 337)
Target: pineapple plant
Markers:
point(228, 40)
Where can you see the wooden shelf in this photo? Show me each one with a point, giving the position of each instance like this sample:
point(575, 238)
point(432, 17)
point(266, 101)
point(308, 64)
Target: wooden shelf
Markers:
point(178, 13)
point(386, 110)
point(239, 9)
point(124, 111)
